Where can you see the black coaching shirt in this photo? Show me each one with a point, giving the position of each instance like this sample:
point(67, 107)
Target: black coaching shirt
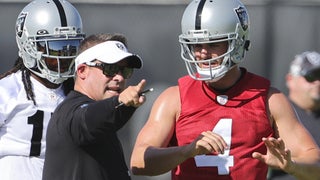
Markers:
point(82, 142)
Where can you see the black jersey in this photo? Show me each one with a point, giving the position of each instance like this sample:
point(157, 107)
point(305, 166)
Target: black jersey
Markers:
point(82, 140)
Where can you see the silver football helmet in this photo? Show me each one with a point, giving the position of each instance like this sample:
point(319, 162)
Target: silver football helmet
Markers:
point(207, 21)
point(48, 33)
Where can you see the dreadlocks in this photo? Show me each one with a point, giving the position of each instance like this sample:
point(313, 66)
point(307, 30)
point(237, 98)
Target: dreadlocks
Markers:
point(18, 65)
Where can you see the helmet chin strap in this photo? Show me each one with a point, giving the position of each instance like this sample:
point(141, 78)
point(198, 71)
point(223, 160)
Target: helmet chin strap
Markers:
point(215, 74)
point(208, 75)
point(217, 78)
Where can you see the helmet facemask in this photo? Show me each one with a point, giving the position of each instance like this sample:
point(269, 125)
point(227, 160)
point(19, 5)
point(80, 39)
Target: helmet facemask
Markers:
point(209, 22)
point(48, 39)
point(55, 57)
point(212, 71)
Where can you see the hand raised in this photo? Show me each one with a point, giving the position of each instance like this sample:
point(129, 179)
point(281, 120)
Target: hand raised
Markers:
point(132, 96)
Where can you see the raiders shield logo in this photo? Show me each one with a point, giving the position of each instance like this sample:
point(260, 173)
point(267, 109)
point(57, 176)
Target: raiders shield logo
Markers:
point(243, 17)
point(222, 99)
point(20, 23)
point(121, 46)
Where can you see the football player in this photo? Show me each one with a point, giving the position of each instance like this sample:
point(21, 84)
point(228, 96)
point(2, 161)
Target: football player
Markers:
point(221, 121)
point(48, 34)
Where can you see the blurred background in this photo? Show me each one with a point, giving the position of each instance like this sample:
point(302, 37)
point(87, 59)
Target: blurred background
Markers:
point(280, 29)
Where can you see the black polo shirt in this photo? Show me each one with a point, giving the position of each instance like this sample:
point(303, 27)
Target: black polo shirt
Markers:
point(82, 142)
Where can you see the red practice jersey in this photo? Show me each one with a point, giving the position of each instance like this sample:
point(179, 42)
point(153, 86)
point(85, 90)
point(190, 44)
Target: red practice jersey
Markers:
point(239, 115)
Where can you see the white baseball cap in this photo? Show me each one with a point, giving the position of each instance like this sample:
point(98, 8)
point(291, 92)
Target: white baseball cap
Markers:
point(109, 52)
point(306, 64)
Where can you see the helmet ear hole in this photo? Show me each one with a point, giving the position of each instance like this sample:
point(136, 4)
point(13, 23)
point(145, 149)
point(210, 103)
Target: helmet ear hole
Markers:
point(30, 63)
point(247, 45)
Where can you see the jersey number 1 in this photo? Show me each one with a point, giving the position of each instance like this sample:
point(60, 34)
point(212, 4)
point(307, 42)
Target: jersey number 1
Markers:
point(37, 121)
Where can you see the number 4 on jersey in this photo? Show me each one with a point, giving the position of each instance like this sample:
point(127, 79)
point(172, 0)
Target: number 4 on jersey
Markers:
point(221, 161)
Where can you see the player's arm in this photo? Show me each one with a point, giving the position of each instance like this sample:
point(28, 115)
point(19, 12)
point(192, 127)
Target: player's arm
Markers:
point(295, 150)
point(150, 155)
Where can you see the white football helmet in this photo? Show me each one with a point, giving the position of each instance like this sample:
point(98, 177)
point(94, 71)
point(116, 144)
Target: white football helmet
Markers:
point(48, 33)
point(207, 21)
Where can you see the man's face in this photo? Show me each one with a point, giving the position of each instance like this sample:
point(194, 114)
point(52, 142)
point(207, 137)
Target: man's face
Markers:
point(209, 51)
point(103, 86)
point(300, 86)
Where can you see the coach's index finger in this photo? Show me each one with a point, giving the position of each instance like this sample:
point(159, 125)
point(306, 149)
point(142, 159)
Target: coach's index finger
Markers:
point(140, 86)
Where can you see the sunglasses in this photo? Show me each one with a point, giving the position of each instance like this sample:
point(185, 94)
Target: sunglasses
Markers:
point(313, 75)
point(111, 70)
